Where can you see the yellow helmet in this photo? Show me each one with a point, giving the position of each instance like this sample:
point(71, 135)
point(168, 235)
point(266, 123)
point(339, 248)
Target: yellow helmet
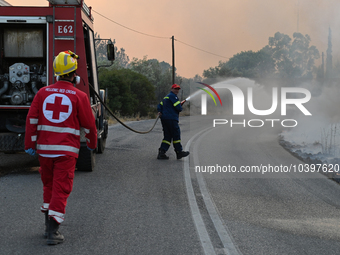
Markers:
point(66, 62)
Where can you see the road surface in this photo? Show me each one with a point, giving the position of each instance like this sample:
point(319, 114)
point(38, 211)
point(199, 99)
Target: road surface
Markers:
point(135, 204)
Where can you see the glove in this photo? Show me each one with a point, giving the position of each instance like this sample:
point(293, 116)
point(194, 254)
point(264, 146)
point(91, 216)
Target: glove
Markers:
point(30, 151)
point(89, 148)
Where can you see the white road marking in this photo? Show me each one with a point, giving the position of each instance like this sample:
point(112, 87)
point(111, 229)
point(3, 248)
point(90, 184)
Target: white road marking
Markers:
point(196, 215)
point(219, 225)
point(221, 229)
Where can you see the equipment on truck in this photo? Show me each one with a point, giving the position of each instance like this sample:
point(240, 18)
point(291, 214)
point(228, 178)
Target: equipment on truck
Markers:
point(30, 39)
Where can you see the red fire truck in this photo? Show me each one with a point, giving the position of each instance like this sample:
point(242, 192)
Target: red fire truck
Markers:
point(30, 38)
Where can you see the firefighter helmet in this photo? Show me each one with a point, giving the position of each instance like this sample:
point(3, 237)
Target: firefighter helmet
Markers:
point(66, 62)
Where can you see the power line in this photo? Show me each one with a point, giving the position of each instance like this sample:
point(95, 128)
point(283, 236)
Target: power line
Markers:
point(201, 49)
point(160, 37)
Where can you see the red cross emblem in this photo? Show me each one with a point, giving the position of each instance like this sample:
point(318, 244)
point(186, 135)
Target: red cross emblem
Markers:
point(57, 108)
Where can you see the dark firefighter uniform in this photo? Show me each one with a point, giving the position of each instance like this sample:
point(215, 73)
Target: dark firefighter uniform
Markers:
point(169, 109)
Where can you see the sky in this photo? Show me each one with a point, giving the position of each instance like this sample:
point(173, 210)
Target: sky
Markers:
point(221, 27)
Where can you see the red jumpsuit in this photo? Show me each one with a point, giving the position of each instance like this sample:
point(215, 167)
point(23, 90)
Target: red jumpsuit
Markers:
point(53, 129)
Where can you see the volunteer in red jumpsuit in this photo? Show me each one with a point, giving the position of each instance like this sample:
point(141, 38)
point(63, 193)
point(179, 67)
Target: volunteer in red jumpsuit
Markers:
point(53, 131)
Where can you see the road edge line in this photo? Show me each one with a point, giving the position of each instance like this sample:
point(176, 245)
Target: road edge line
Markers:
point(221, 228)
point(195, 212)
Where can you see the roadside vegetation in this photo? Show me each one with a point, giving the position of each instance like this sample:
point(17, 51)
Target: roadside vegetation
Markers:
point(136, 86)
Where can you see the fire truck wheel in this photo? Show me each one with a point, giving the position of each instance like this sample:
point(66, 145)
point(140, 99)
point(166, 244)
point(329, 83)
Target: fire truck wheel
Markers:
point(86, 160)
point(101, 145)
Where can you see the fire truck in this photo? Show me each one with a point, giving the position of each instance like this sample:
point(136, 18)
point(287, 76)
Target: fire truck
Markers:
point(30, 38)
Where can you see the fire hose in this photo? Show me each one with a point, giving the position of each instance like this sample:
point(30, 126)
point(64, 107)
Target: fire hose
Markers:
point(116, 118)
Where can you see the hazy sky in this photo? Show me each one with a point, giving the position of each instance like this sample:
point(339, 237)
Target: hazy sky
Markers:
point(223, 27)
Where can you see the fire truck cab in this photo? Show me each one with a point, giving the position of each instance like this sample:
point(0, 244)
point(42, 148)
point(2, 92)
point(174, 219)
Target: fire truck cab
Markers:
point(30, 38)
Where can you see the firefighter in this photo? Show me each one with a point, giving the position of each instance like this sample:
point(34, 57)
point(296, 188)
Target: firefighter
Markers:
point(168, 110)
point(53, 131)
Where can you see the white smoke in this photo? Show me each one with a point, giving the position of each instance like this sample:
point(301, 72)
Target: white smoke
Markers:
point(321, 131)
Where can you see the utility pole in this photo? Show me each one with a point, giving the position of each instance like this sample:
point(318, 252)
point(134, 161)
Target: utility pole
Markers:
point(329, 57)
point(173, 59)
point(298, 16)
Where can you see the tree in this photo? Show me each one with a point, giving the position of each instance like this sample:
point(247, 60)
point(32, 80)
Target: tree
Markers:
point(294, 61)
point(159, 74)
point(129, 93)
point(188, 85)
point(220, 71)
point(121, 58)
point(100, 46)
point(265, 66)
point(283, 59)
point(302, 55)
point(250, 64)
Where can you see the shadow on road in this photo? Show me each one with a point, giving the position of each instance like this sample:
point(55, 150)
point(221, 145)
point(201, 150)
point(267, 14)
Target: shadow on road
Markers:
point(18, 163)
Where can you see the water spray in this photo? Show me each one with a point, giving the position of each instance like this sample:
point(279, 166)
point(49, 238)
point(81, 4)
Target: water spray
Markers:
point(187, 99)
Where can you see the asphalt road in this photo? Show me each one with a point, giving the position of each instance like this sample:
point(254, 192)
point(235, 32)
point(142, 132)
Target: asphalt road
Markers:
point(135, 204)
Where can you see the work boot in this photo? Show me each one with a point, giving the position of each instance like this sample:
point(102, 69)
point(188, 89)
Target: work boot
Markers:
point(182, 154)
point(54, 236)
point(46, 224)
point(161, 154)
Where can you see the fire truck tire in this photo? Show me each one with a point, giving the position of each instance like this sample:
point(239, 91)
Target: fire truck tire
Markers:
point(102, 140)
point(86, 160)
point(101, 144)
